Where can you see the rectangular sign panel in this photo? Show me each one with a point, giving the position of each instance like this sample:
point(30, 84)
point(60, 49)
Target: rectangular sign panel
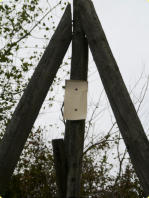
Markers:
point(75, 101)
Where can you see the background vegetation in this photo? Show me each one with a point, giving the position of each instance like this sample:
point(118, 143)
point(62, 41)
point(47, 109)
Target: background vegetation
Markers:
point(25, 29)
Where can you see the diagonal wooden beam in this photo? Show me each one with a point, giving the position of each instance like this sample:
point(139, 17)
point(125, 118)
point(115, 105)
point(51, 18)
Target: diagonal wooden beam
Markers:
point(74, 133)
point(28, 108)
point(127, 119)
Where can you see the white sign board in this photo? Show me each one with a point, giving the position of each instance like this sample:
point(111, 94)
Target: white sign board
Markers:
point(75, 101)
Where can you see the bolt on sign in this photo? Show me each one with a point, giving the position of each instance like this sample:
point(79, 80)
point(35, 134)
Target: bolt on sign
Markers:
point(75, 100)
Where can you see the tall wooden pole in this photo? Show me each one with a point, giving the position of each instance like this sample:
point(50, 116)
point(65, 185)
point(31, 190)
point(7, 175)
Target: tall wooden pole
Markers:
point(74, 133)
point(28, 108)
point(60, 166)
point(127, 119)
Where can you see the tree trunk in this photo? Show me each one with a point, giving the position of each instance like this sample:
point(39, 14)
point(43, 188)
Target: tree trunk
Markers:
point(28, 108)
point(74, 133)
point(129, 124)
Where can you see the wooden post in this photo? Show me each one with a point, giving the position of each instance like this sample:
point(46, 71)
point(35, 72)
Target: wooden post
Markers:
point(129, 124)
point(74, 133)
point(60, 166)
point(28, 108)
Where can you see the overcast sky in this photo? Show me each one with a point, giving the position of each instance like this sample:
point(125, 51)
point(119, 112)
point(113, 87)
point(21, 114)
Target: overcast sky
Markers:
point(126, 25)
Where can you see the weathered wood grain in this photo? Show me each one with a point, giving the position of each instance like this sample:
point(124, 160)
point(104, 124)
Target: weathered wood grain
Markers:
point(28, 108)
point(60, 166)
point(127, 119)
point(74, 133)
